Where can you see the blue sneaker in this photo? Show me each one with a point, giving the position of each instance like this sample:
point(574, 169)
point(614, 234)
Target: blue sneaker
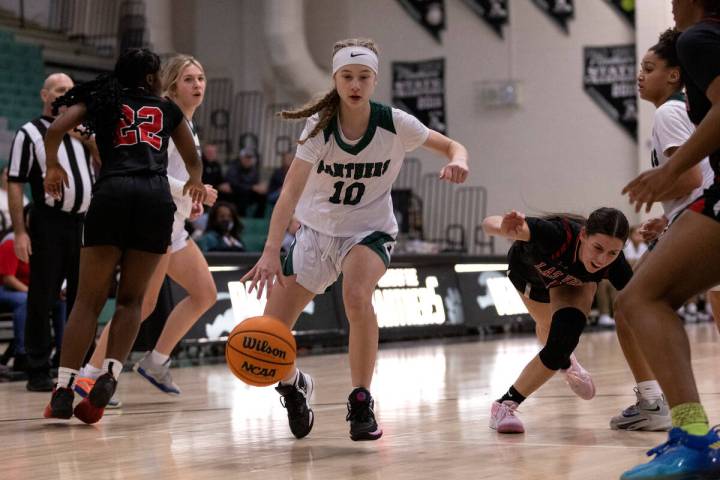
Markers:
point(158, 375)
point(682, 457)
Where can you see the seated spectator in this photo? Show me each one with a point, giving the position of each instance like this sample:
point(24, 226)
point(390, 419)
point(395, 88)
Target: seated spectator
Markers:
point(212, 170)
point(244, 177)
point(15, 278)
point(635, 247)
point(278, 177)
point(223, 230)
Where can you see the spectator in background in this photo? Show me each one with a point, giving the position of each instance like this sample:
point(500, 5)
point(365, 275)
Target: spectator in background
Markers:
point(635, 247)
point(278, 177)
point(244, 178)
point(6, 221)
point(14, 281)
point(212, 170)
point(223, 230)
point(52, 244)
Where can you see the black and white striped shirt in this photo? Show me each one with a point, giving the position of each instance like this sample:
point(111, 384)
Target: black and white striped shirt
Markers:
point(27, 164)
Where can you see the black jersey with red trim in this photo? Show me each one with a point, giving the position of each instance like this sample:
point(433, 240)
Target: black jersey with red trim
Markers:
point(550, 258)
point(139, 144)
point(698, 50)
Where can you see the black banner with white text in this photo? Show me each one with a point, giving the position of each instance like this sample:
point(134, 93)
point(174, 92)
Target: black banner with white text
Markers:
point(609, 79)
point(419, 89)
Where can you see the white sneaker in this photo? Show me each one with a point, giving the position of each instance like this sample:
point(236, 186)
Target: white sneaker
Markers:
point(644, 415)
point(606, 320)
point(114, 402)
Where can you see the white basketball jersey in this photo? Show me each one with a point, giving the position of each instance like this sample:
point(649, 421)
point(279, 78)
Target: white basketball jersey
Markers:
point(671, 128)
point(348, 191)
point(178, 174)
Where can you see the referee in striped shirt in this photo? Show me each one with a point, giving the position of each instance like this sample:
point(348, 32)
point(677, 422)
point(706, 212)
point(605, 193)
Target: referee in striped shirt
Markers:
point(52, 242)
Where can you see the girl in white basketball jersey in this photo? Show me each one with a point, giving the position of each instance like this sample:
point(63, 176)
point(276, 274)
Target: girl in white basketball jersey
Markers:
point(660, 82)
point(183, 80)
point(338, 186)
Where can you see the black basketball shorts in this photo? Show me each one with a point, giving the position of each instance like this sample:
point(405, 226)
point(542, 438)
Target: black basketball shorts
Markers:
point(131, 213)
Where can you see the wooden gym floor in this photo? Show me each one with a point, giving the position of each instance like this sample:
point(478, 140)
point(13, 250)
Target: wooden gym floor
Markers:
point(433, 401)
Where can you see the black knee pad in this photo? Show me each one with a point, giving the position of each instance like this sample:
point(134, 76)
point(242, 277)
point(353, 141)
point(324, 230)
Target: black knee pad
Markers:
point(565, 330)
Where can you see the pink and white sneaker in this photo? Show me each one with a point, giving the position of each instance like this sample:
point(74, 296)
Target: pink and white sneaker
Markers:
point(579, 380)
point(503, 419)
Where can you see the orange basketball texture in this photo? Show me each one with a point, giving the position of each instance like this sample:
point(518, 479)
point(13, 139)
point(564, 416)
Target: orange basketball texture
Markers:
point(260, 351)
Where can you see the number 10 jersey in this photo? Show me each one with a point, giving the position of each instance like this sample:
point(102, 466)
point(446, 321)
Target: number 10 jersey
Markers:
point(348, 190)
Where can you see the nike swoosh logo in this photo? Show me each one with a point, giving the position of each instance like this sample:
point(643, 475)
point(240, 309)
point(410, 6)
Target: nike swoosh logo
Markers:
point(354, 54)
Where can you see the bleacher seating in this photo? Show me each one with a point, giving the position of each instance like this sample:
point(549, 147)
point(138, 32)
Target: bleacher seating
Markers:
point(20, 83)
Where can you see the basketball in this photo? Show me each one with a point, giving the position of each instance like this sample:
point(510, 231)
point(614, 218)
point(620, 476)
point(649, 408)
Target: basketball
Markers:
point(260, 351)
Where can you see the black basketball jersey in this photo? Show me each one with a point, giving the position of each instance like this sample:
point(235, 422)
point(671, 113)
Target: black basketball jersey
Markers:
point(550, 258)
point(139, 144)
point(699, 53)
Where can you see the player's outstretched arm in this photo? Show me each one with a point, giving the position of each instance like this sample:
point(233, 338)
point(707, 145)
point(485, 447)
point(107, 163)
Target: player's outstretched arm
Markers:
point(456, 171)
point(512, 225)
point(268, 268)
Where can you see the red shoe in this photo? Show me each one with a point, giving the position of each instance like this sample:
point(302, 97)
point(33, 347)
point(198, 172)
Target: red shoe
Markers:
point(61, 404)
point(92, 408)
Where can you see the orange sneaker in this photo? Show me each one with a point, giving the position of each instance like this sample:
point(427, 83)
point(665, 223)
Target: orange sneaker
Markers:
point(83, 385)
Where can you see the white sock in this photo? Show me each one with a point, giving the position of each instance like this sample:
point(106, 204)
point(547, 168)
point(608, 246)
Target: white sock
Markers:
point(91, 372)
point(113, 366)
point(291, 380)
point(66, 377)
point(650, 390)
point(158, 358)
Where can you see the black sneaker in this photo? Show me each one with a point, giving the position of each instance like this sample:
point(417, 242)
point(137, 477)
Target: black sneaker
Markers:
point(61, 404)
point(295, 398)
point(40, 381)
point(90, 410)
point(103, 390)
point(361, 416)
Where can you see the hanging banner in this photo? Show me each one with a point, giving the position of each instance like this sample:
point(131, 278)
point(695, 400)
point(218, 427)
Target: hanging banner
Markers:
point(626, 8)
point(428, 13)
point(609, 78)
point(494, 12)
point(561, 11)
point(419, 89)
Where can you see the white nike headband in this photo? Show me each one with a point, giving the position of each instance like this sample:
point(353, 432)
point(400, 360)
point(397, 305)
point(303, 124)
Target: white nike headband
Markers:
point(355, 56)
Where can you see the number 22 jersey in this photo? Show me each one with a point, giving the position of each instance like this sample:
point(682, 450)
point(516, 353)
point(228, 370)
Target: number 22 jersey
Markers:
point(348, 190)
point(139, 143)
